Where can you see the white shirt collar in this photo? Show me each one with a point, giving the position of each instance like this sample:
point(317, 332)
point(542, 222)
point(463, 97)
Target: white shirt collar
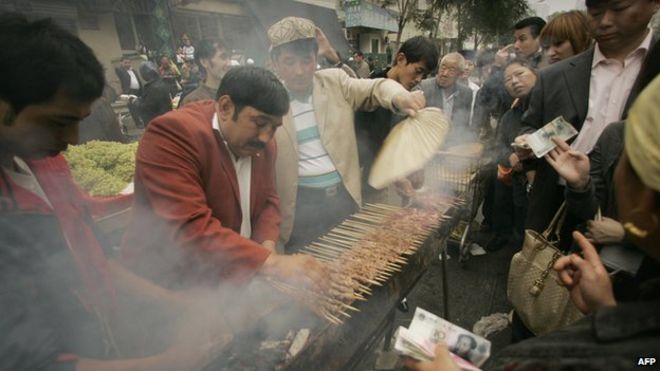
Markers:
point(644, 46)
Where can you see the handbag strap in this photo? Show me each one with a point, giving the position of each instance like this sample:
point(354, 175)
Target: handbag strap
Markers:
point(557, 221)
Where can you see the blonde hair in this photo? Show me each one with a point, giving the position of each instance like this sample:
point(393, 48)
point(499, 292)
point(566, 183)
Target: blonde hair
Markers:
point(572, 26)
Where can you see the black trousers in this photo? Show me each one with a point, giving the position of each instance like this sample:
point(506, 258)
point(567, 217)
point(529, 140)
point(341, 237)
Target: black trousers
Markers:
point(503, 208)
point(489, 195)
point(318, 211)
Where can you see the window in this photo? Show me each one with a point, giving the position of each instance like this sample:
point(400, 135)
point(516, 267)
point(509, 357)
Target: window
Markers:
point(375, 46)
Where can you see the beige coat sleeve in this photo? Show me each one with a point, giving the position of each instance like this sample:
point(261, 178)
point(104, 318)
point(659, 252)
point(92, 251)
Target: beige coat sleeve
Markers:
point(363, 94)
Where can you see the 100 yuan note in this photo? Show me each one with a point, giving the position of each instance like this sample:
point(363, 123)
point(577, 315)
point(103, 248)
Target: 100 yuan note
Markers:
point(405, 345)
point(428, 329)
point(541, 140)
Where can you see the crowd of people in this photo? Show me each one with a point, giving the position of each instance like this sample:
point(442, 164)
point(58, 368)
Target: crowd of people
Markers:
point(255, 163)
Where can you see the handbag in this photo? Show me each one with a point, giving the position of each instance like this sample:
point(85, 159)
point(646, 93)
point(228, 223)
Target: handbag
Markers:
point(533, 287)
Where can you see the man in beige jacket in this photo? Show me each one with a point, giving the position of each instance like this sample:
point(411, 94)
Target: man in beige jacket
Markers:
point(317, 170)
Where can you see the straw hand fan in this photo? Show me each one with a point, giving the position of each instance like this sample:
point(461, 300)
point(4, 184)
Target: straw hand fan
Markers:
point(409, 146)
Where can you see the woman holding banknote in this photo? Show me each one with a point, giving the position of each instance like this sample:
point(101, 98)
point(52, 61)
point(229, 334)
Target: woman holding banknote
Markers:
point(615, 336)
point(510, 190)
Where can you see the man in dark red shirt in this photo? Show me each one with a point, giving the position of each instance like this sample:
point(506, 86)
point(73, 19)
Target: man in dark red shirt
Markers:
point(58, 291)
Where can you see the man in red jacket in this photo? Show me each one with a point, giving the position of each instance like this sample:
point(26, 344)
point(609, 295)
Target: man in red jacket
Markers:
point(206, 209)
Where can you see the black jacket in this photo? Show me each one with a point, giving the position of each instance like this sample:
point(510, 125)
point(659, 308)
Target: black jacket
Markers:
point(507, 131)
point(125, 80)
point(371, 129)
point(562, 89)
point(612, 339)
point(155, 101)
point(600, 191)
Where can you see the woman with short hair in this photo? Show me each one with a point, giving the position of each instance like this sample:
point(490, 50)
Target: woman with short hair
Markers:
point(566, 35)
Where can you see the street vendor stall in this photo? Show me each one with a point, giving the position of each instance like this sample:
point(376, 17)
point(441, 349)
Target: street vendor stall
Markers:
point(406, 240)
point(367, 287)
point(377, 256)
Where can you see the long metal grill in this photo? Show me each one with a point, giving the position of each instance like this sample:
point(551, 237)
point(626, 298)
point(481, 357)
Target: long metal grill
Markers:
point(365, 250)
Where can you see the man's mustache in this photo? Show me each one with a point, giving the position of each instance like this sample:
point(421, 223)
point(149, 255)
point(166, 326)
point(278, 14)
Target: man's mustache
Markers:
point(258, 145)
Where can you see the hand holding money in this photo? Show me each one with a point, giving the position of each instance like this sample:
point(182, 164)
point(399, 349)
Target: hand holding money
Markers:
point(442, 362)
point(428, 330)
point(541, 141)
point(571, 165)
point(521, 148)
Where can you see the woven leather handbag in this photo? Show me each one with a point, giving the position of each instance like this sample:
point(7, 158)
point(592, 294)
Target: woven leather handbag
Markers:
point(533, 287)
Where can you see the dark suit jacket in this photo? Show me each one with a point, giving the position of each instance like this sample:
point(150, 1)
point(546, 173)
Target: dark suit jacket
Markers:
point(562, 89)
point(371, 129)
point(459, 132)
point(125, 80)
point(600, 192)
point(187, 214)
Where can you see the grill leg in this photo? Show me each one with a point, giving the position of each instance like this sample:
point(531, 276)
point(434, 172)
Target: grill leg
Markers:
point(390, 329)
point(445, 284)
point(463, 249)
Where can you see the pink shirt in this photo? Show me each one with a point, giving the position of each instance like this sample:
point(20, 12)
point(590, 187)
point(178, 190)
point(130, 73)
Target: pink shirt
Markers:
point(609, 88)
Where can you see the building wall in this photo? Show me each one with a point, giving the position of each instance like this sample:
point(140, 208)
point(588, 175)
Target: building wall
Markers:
point(105, 44)
point(366, 41)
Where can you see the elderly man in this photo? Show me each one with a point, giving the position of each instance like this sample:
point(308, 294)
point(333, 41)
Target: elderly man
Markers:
point(445, 92)
point(318, 176)
point(205, 190)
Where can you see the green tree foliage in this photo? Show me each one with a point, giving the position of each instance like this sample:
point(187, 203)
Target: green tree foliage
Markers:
point(486, 20)
point(408, 11)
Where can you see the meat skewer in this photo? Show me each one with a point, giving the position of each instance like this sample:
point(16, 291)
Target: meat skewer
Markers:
point(366, 250)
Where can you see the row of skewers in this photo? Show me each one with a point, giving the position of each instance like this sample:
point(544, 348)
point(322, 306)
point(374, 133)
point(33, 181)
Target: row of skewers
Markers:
point(365, 250)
